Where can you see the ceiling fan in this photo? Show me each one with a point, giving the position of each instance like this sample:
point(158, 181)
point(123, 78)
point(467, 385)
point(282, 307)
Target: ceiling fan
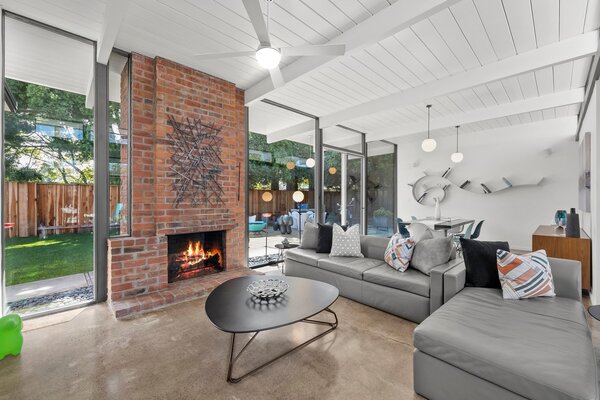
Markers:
point(268, 56)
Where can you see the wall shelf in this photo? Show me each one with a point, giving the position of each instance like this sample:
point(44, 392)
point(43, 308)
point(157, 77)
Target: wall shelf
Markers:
point(430, 186)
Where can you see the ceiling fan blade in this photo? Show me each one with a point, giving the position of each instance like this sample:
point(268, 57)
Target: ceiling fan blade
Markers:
point(211, 56)
point(315, 50)
point(258, 22)
point(276, 77)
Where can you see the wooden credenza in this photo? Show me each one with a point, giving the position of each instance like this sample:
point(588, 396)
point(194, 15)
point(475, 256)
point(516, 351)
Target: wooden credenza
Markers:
point(557, 245)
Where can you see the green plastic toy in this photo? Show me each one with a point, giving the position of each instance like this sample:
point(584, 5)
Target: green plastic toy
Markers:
point(11, 339)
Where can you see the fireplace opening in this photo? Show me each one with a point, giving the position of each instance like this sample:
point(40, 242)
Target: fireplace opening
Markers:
point(195, 254)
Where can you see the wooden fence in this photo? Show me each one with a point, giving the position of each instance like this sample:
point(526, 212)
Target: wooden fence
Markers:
point(282, 201)
point(29, 204)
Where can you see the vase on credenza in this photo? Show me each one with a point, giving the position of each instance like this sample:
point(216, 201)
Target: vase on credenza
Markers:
point(438, 213)
point(572, 229)
point(560, 218)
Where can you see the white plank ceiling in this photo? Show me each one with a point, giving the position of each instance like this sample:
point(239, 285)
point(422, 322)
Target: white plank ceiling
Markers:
point(465, 36)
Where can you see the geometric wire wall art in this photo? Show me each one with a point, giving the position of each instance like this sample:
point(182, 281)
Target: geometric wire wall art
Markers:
point(196, 162)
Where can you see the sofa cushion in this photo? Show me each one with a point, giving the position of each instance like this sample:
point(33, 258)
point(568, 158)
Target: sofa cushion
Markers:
point(480, 262)
point(325, 237)
point(419, 231)
point(310, 236)
point(539, 348)
point(399, 252)
point(351, 267)
point(305, 256)
point(411, 280)
point(525, 276)
point(345, 243)
point(374, 246)
point(429, 253)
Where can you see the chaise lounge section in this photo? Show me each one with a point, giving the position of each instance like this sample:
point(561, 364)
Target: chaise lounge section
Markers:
point(411, 294)
point(479, 345)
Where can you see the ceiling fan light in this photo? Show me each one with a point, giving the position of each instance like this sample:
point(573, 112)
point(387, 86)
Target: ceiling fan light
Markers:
point(268, 57)
point(428, 145)
point(457, 157)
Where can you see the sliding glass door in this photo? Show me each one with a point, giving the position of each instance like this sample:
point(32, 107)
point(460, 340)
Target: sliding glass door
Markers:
point(49, 169)
point(343, 174)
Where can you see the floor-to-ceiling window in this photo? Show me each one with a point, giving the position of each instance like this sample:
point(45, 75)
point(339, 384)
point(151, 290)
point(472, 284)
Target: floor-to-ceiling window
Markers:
point(381, 188)
point(281, 184)
point(49, 180)
point(119, 144)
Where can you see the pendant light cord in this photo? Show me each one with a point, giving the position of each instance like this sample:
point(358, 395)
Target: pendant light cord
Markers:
point(457, 126)
point(428, 118)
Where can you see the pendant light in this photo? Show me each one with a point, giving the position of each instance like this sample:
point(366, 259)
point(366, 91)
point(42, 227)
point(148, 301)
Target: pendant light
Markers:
point(457, 156)
point(428, 145)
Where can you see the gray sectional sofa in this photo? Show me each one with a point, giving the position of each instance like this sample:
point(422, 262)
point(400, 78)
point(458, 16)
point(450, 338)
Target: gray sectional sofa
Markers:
point(471, 343)
point(479, 346)
point(411, 295)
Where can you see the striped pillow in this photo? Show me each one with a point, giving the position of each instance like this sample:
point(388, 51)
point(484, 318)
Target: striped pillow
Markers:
point(525, 276)
point(399, 252)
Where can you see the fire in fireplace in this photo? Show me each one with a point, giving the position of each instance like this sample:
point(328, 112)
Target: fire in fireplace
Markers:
point(195, 254)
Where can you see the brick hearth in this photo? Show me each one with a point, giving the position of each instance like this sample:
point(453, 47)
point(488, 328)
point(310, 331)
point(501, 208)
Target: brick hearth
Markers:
point(137, 273)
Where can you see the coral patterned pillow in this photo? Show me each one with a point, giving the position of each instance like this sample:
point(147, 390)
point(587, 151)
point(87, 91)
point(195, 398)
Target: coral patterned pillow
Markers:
point(399, 252)
point(525, 276)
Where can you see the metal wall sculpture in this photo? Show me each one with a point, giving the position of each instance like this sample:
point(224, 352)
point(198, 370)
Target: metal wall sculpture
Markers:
point(196, 162)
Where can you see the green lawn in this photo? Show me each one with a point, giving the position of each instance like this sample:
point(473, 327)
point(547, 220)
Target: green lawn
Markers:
point(31, 259)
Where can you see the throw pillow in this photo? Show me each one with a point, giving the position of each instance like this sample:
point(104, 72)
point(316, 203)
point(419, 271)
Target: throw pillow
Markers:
point(310, 236)
point(399, 252)
point(324, 238)
point(429, 253)
point(525, 276)
point(480, 262)
point(345, 243)
point(419, 231)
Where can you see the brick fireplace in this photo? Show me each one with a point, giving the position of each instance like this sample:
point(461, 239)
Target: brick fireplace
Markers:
point(138, 266)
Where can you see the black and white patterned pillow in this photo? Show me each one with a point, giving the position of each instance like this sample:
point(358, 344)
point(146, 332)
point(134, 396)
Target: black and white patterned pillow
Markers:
point(345, 244)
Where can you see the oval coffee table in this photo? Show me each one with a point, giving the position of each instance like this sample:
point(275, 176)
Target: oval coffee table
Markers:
point(232, 309)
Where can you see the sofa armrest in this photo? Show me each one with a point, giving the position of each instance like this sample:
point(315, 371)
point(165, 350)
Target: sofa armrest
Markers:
point(436, 284)
point(454, 281)
point(566, 275)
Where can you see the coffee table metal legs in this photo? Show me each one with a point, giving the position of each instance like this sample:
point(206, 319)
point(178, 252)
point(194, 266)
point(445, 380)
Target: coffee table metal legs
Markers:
point(233, 358)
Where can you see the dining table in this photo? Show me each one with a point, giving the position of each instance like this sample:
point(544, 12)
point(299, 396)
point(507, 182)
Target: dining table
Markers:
point(444, 224)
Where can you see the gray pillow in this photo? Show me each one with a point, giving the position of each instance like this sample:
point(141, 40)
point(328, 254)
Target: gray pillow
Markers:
point(430, 253)
point(310, 236)
point(419, 231)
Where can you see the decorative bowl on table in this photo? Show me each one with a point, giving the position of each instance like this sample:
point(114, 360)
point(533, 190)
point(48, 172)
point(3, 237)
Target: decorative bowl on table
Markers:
point(267, 288)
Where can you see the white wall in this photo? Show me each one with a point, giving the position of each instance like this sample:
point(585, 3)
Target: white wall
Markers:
point(590, 220)
point(517, 153)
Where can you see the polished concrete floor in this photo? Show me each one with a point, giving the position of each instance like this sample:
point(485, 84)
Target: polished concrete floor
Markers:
point(176, 353)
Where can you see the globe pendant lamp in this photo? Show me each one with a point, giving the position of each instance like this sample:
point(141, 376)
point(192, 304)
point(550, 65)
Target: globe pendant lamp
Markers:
point(310, 162)
point(457, 156)
point(428, 145)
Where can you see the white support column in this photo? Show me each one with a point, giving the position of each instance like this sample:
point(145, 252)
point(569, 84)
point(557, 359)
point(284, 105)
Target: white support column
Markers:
point(344, 186)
